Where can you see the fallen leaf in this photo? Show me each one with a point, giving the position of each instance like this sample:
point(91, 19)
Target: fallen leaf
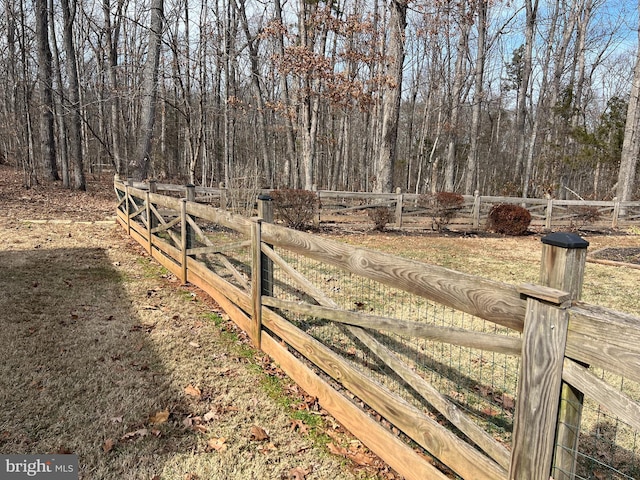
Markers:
point(200, 428)
point(194, 344)
point(297, 474)
point(508, 402)
point(259, 434)
point(138, 433)
point(192, 391)
point(269, 447)
point(159, 417)
point(362, 459)
point(217, 444)
point(300, 426)
point(333, 448)
point(108, 445)
point(210, 415)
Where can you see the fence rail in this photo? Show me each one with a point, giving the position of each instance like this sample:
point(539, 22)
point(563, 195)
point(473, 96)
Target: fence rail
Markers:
point(340, 208)
point(478, 374)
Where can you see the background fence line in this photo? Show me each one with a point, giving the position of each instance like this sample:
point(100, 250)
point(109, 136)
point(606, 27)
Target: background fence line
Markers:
point(336, 207)
point(438, 355)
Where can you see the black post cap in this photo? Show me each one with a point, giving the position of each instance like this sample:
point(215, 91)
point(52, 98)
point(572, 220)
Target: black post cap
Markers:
point(265, 196)
point(565, 240)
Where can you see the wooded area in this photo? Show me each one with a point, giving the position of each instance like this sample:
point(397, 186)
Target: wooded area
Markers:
point(521, 98)
point(314, 305)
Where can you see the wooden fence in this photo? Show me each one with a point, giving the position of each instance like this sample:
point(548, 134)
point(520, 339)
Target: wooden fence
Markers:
point(281, 286)
point(351, 207)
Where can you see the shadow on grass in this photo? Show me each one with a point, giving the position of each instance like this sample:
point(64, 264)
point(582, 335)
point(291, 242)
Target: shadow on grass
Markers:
point(77, 367)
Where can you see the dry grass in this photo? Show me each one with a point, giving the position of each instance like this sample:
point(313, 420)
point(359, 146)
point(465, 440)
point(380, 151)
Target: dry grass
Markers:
point(106, 356)
point(513, 260)
point(101, 346)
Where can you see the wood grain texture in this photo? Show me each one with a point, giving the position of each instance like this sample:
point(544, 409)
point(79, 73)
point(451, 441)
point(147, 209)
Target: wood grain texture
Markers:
point(606, 339)
point(452, 335)
point(539, 387)
point(493, 301)
point(379, 440)
point(617, 402)
point(440, 402)
point(548, 294)
point(436, 439)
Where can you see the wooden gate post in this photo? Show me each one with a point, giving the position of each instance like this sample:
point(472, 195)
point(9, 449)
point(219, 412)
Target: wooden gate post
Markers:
point(265, 212)
point(191, 233)
point(543, 345)
point(128, 207)
point(261, 268)
point(399, 201)
point(476, 210)
point(563, 261)
point(153, 188)
point(256, 282)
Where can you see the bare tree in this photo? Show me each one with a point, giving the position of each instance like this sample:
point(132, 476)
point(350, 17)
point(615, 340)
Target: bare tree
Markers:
point(471, 177)
point(45, 75)
point(149, 91)
point(631, 144)
point(73, 96)
point(391, 97)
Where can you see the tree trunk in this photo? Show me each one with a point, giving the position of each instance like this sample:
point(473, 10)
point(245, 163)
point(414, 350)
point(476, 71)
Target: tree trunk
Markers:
point(392, 93)
point(45, 75)
point(631, 144)
point(75, 120)
point(111, 39)
point(261, 126)
point(149, 91)
point(462, 52)
point(523, 88)
point(471, 178)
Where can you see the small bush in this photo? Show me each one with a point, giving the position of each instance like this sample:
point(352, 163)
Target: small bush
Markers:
point(442, 206)
point(509, 219)
point(380, 216)
point(295, 207)
point(584, 216)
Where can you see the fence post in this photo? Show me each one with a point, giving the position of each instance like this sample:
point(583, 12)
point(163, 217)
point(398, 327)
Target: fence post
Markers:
point(261, 268)
point(183, 239)
point(153, 188)
point(476, 210)
point(223, 196)
point(147, 205)
point(265, 212)
point(191, 234)
point(543, 346)
point(548, 213)
point(399, 200)
point(317, 206)
point(616, 213)
point(563, 261)
point(256, 282)
point(128, 205)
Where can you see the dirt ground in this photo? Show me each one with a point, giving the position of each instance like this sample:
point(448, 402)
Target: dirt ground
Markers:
point(106, 356)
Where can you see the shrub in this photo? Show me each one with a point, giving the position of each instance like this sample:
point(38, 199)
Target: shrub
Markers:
point(584, 216)
point(442, 207)
point(509, 219)
point(295, 207)
point(380, 216)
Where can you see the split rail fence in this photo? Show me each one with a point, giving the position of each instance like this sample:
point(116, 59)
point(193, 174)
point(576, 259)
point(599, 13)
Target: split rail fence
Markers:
point(490, 380)
point(549, 214)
